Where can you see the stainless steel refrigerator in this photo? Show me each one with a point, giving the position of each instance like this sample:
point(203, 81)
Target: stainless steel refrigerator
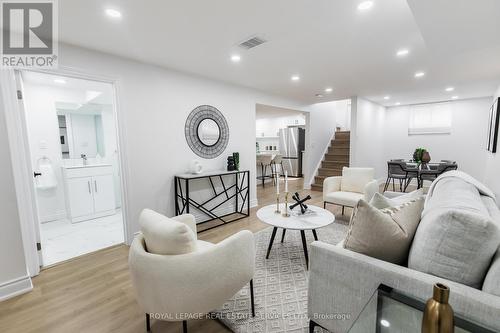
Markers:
point(292, 144)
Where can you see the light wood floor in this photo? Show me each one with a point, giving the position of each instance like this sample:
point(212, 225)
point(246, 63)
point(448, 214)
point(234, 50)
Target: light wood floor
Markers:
point(93, 293)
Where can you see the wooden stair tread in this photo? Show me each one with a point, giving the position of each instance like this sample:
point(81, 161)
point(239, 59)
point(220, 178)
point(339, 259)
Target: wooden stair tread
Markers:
point(336, 157)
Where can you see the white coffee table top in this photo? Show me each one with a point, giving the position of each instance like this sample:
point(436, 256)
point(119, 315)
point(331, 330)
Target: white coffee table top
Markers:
point(314, 218)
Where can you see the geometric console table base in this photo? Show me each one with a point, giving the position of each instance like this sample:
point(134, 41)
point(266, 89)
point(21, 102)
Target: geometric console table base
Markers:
point(239, 193)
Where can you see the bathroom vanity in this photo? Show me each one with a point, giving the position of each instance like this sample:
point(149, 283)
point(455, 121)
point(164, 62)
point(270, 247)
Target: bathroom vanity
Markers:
point(89, 191)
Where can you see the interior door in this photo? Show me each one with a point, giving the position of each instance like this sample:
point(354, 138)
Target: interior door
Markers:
point(104, 193)
point(80, 196)
point(31, 230)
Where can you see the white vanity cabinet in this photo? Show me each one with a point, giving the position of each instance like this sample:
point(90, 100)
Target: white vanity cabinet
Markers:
point(89, 192)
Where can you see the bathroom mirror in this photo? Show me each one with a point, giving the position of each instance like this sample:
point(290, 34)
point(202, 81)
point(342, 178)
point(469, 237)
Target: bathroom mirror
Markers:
point(80, 134)
point(208, 132)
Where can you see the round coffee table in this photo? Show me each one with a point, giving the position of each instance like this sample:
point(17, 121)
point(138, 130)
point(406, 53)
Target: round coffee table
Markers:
point(314, 218)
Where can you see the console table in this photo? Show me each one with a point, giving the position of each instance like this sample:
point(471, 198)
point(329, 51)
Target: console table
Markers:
point(238, 193)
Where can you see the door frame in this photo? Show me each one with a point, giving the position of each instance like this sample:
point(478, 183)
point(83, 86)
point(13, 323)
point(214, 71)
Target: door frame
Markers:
point(21, 158)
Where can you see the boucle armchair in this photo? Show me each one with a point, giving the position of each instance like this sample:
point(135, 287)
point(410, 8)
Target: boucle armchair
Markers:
point(348, 189)
point(178, 277)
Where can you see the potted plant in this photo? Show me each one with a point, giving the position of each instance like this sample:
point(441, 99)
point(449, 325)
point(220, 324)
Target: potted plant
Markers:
point(418, 154)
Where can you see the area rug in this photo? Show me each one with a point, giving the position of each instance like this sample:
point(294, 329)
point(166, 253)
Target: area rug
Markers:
point(280, 284)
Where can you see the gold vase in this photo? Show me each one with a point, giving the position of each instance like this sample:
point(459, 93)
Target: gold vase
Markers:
point(438, 314)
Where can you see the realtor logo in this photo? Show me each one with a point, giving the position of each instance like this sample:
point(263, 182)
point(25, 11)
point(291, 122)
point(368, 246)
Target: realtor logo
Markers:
point(29, 33)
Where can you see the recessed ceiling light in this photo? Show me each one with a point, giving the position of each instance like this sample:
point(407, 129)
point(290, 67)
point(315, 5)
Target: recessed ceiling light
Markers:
point(318, 95)
point(454, 97)
point(328, 90)
point(385, 323)
point(365, 5)
point(235, 58)
point(387, 97)
point(60, 81)
point(419, 74)
point(402, 52)
point(113, 13)
point(295, 78)
point(398, 103)
point(449, 89)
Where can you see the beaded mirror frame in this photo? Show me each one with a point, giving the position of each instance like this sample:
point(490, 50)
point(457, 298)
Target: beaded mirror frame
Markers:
point(193, 121)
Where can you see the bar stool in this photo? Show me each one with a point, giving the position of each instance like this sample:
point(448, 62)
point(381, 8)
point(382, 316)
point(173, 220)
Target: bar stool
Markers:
point(277, 160)
point(264, 161)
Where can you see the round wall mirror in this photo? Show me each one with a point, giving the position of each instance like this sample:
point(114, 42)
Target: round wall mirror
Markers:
point(208, 132)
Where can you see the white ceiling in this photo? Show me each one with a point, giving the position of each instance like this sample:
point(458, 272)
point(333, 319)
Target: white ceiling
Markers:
point(329, 43)
point(91, 92)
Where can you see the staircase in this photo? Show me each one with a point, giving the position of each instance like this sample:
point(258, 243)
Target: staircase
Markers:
point(335, 159)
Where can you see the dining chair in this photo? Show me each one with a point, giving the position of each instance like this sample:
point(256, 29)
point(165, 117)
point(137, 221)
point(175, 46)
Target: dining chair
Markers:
point(434, 170)
point(396, 169)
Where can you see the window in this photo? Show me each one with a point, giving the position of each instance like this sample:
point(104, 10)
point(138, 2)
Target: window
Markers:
point(430, 119)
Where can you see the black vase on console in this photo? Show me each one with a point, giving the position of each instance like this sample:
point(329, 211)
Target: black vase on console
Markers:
point(231, 165)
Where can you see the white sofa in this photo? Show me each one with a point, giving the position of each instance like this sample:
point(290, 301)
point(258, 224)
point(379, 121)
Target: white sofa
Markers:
point(342, 281)
point(348, 189)
point(196, 278)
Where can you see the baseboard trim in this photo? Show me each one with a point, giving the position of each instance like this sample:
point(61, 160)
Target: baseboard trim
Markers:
point(15, 287)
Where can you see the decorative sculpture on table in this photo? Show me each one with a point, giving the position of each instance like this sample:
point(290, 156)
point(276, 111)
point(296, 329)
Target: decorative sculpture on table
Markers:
point(300, 202)
point(231, 165)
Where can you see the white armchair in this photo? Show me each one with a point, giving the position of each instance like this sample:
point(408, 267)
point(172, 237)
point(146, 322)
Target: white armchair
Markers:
point(189, 276)
point(348, 189)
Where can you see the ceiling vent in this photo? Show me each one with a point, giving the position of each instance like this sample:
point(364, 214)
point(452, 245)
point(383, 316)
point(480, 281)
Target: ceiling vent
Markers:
point(252, 42)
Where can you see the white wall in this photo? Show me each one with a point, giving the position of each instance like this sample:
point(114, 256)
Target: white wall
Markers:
point(322, 123)
point(368, 127)
point(492, 164)
point(381, 134)
point(12, 263)
point(466, 143)
point(343, 114)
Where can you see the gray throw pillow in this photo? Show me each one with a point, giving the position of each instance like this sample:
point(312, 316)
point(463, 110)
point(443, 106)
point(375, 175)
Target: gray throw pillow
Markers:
point(384, 234)
point(380, 201)
point(455, 244)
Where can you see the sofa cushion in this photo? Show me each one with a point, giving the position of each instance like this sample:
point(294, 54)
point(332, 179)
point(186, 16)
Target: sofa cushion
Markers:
point(355, 179)
point(380, 201)
point(491, 284)
point(384, 234)
point(163, 235)
point(457, 237)
point(349, 199)
point(455, 244)
point(455, 193)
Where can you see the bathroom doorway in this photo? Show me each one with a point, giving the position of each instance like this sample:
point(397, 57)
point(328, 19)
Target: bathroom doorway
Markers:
point(72, 136)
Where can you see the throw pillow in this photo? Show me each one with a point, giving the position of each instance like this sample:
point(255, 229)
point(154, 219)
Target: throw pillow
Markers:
point(455, 244)
point(384, 234)
point(380, 201)
point(166, 236)
point(491, 283)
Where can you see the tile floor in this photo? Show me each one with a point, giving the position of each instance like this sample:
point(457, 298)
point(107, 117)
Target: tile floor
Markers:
point(62, 240)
